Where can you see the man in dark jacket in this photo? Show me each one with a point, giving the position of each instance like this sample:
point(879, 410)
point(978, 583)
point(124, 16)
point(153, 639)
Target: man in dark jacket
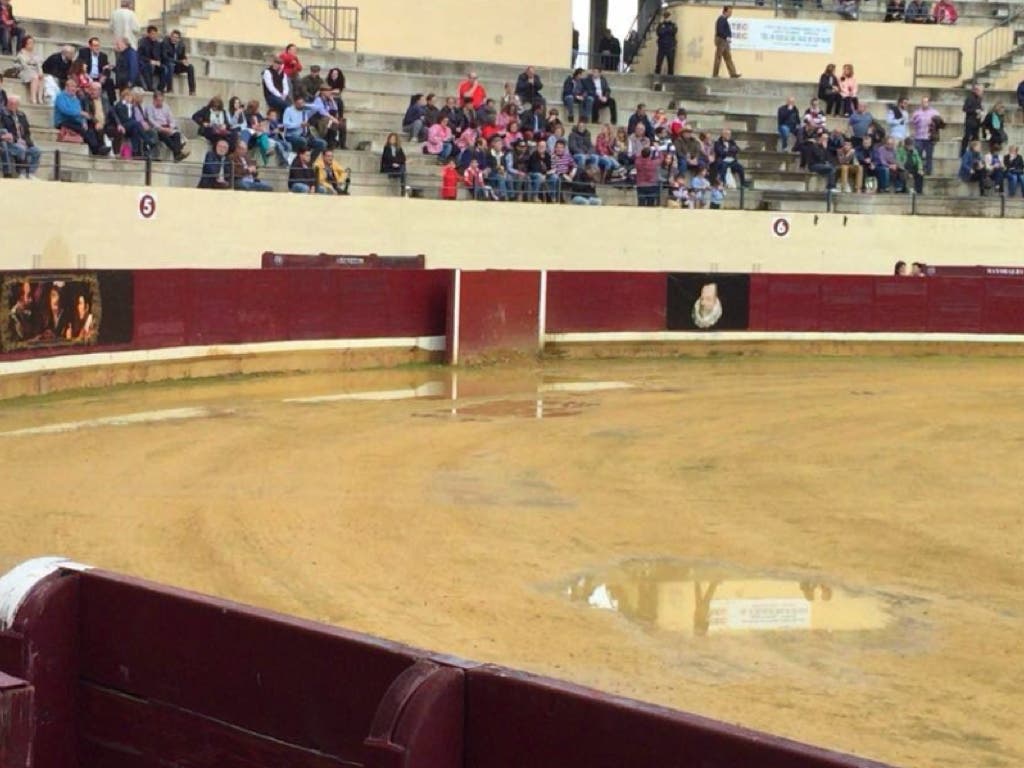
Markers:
point(819, 160)
point(175, 59)
point(727, 158)
point(723, 44)
point(974, 113)
point(788, 119)
point(528, 88)
point(57, 64)
point(666, 33)
point(217, 169)
point(597, 88)
point(610, 51)
point(126, 66)
point(574, 94)
point(98, 67)
point(155, 76)
point(640, 118)
point(17, 139)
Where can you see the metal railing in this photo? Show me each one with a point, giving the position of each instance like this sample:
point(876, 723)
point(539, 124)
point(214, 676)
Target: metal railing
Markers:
point(100, 10)
point(330, 21)
point(996, 43)
point(937, 62)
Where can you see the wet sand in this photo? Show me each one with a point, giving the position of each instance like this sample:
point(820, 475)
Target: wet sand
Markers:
point(476, 528)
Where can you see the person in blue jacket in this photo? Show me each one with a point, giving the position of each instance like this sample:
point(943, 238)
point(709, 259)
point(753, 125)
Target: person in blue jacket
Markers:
point(69, 115)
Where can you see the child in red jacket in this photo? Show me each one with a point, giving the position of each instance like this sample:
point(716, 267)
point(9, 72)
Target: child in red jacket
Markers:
point(449, 180)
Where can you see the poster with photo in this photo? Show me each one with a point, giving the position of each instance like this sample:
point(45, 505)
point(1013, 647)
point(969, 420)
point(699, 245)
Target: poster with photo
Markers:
point(708, 302)
point(45, 310)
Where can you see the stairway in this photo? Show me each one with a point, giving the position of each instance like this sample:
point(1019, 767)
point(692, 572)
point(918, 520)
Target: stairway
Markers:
point(186, 14)
point(291, 11)
point(1009, 36)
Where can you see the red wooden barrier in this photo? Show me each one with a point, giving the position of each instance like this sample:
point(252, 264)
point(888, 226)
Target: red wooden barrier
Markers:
point(605, 301)
point(17, 722)
point(493, 311)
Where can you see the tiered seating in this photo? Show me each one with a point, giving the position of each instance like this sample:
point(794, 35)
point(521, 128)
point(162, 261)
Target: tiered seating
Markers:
point(377, 94)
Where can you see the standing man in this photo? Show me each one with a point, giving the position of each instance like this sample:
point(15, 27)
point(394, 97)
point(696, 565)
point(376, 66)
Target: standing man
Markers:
point(974, 113)
point(723, 43)
point(926, 123)
point(123, 23)
point(666, 32)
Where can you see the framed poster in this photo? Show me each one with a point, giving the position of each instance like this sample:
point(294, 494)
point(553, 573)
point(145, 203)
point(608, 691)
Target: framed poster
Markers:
point(708, 302)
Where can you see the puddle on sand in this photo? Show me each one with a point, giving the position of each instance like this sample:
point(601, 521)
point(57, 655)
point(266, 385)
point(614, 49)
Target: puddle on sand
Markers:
point(699, 599)
point(520, 409)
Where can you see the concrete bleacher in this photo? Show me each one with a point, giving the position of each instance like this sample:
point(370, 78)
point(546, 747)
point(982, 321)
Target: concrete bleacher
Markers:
point(378, 90)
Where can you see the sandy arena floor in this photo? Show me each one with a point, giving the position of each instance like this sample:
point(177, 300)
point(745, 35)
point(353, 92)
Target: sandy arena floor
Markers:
point(829, 549)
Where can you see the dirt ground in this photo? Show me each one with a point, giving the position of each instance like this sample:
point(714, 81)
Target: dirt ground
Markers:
point(467, 526)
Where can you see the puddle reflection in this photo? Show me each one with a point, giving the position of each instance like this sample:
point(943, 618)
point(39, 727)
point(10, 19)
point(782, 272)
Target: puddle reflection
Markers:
point(706, 600)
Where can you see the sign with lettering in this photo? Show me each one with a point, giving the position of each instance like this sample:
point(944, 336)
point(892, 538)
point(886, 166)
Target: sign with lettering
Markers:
point(782, 35)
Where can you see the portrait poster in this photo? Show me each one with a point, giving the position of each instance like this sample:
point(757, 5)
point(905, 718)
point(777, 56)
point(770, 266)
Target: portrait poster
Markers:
point(48, 310)
point(708, 302)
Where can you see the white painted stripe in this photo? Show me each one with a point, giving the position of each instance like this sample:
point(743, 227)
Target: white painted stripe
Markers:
point(584, 386)
point(647, 336)
point(70, 362)
point(17, 583)
point(430, 389)
point(145, 417)
point(542, 310)
point(456, 317)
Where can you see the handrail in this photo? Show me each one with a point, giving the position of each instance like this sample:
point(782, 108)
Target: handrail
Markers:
point(330, 21)
point(995, 43)
point(937, 61)
point(646, 15)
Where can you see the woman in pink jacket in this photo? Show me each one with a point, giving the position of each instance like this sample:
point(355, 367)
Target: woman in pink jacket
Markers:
point(466, 139)
point(848, 90)
point(439, 139)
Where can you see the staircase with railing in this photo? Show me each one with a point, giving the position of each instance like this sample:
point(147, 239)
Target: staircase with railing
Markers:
point(329, 22)
point(997, 49)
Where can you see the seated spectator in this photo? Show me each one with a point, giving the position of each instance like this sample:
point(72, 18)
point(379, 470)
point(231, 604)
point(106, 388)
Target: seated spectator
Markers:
point(819, 161)
point(175, 61)
point(513, 134)
point(583, 151)
point(506, 116)
point(690, 152)
point(972, 167)
point(894, 10)
point(439, 140)
point(788, 120)
point(575, 97)
point(1014, 165)
point(660, 120)
point(336, 79)
point(55, 70)
point(244, 174)
point(326, 119)
point(16, 137)
point(890, 175)
point(678, 193)
point(866, 158)
point(598, 89)
point(509, 98)
point(529, 86)
point(11, 34)
point(543, 177)
point(468, 115)
point(700, 188)
point(563, 164)
point(917, 12)
point(475, 179)
point(497, 172)
point(517, 171)
point(330, 176)
point(277, 89)
point(647, 188)
point(848, 90)
point(533, 123)
point(813, 123)
point(727, 159)
point(637, 142)
point(667, 168)
point(309, 86)
point(454, 114)
point(558, 134)
point(828, 90)
point(944, 12)
point(993, 127)
point(130, 115)
point(297, 129)
point(155, 77)
point(258, 135)
point(860, 124)
point(994, 166)
point(487, 116)
point(31, 73)
point(217, 168)
point(392, 160)
point(909, 159)
point(472, 89)
point(160, 117)
point(127, 71)
point(302, 176)
point(97, 67)
point(897, 118)
point(677, 123)
point(413, 122)
point(68, 115)
point(583, 190)
point(846, 159)
point(554, 121)
point(476, 150)
point(639, 117)
point(213, 122)
point(465, 140)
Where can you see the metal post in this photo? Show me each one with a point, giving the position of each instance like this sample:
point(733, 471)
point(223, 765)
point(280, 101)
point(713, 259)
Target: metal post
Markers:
point(828, 201)
point(913, 203)
point(149, 170)
point(1002, 205)
point(56, 165)
point(337, 29)
point(741, 198)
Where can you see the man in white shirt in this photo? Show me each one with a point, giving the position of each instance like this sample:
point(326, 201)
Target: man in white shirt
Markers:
point(123, 23)
point(167, 131)
point(296, 129)
point(277, 88)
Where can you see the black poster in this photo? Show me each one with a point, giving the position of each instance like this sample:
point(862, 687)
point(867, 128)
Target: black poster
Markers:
point(65, 309)
point(708, 302)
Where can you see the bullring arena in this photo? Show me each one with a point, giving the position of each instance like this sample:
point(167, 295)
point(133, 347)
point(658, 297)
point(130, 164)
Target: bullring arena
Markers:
point(391, 481)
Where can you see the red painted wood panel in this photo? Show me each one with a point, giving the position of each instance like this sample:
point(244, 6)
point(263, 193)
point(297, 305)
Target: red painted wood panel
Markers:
point(606, 301)
point(846, 303)
point(499, 310)
point(516, 720)
point(296, 681)
point(17, 722)
point(1003, 308)
point(901, 304)
point(792, 303)
point(955, 304)
point(125, 732)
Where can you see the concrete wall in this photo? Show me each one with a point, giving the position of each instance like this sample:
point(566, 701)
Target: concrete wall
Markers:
point(98, 226)
point(882, 54)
